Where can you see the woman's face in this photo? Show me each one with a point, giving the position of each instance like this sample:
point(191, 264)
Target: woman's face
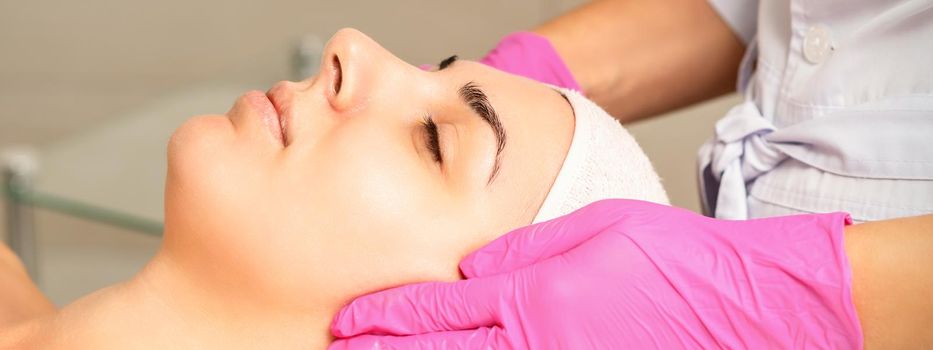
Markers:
point(371, 174)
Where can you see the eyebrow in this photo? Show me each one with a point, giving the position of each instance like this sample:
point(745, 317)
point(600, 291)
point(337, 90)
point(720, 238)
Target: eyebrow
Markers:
point(476, 99)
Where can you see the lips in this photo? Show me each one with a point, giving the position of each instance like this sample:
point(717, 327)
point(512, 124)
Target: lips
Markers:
point(269, 113)
point(281, 98)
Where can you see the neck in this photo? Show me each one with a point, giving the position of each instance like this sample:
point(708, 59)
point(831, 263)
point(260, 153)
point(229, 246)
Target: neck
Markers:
point(166, 306)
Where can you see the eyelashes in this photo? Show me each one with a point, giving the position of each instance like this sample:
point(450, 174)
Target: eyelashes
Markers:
point(433, 139)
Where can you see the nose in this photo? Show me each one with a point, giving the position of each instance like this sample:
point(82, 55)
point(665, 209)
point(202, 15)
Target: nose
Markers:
point(357, 69)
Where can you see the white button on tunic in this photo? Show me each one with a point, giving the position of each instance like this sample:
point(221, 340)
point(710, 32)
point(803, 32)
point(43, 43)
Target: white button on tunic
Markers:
point(816, 44)
point(838, 112)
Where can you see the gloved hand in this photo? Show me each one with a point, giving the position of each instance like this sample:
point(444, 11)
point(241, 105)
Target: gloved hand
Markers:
point(529, 55)
point(532, 56)
point(623, 274)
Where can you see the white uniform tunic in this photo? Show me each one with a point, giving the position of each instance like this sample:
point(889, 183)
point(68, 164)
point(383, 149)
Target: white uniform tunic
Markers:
point(838, 113)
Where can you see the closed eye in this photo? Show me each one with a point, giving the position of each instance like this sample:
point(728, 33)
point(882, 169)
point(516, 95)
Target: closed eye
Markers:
point(432, 141)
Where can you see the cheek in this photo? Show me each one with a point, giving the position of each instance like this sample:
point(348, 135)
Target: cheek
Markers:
point(362, 178)
point(384, 218)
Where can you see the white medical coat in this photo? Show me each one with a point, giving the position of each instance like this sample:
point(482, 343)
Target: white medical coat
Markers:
point(838, 111)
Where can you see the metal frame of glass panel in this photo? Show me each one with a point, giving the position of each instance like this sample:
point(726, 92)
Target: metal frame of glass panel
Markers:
point(22, 199)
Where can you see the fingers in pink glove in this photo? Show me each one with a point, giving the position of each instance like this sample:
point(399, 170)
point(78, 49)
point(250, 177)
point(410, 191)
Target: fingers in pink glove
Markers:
point(531, 244)
point(425, 307)
point(482, 338)
point(531, 55)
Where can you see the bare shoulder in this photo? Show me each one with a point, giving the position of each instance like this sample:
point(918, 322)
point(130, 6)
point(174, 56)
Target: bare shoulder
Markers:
point(20, 298)
point(23, 335)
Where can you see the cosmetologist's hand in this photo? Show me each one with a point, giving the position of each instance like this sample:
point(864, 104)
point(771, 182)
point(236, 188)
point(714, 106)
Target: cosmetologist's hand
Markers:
point(529, 55)
point(628, 274)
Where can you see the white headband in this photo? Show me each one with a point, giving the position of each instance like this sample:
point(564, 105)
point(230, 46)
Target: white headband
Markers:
point(604, 161)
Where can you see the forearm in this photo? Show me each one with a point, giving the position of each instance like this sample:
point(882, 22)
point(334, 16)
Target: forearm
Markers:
point(892, 281)
point(640, 58)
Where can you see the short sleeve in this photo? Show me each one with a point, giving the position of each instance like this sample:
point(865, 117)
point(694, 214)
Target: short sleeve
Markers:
point(740, 15)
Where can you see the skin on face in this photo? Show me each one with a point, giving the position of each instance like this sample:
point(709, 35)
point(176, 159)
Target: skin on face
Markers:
point(354, 199)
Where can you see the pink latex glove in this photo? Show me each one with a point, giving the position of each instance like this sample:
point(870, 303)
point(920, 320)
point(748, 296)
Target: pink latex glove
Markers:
point(531, 55)
point(625, 274)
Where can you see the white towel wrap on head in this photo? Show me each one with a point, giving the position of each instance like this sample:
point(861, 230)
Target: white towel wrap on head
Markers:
point(604, 161)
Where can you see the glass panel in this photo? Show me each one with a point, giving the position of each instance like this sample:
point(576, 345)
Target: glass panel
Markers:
point(77, 256)
point(74, 248)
